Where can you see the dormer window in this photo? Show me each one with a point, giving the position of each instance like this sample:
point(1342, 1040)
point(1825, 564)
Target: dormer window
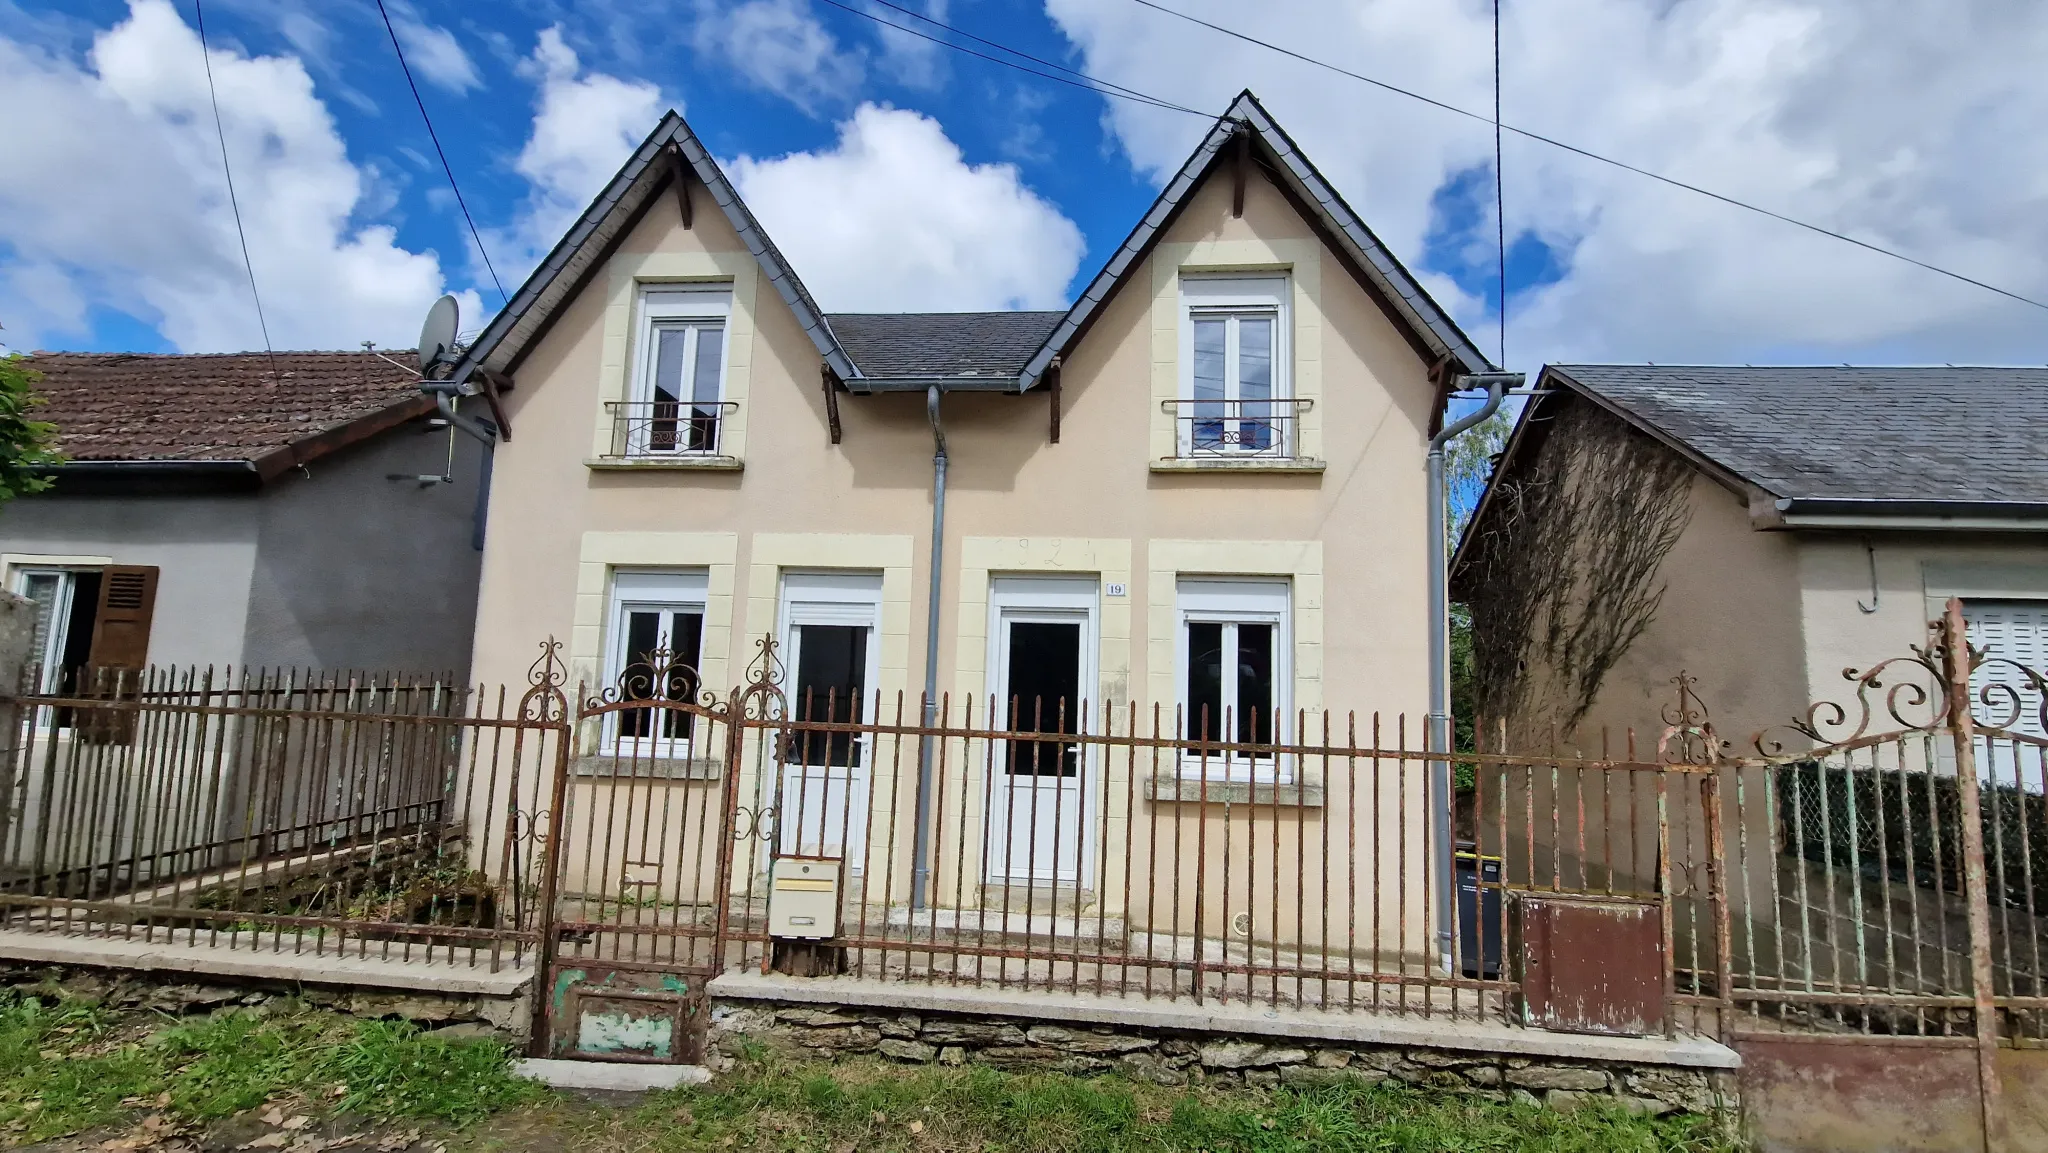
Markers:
point(677, 404)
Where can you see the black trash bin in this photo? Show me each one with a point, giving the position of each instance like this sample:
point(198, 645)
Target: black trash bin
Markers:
point(1481, 923)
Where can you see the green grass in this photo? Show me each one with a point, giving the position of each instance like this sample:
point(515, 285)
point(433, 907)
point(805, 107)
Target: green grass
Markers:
point(73, 1066)
point(870, 1106)
point(70, 1066)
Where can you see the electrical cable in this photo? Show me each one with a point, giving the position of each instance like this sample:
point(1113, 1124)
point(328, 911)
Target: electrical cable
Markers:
point(234, 203)
point(445, 166)
point(1085, 81)
point(1500, 201)
point(1591, 155)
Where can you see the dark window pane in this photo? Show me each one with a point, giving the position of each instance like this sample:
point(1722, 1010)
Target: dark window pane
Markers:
point(667, 390)
point(684, 644)
point(704, 384)
point(1045, 696)
point(1205, 680)
point(832, 663)
point(1255, 684)
point(1209, 384)
point(643, 636)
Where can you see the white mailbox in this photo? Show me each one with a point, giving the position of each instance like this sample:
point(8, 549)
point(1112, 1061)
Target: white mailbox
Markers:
point(803, 898)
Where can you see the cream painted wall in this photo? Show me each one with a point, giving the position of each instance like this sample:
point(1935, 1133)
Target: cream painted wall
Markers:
point(1363, 513)
point(1731, 618)
point(1916, 574)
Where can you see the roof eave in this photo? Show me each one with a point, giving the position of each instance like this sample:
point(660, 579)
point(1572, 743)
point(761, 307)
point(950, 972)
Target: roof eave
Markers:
point(874, 384)
point(1902, 515)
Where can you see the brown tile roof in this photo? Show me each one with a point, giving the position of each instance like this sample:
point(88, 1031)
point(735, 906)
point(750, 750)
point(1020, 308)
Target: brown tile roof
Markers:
point(125, 406)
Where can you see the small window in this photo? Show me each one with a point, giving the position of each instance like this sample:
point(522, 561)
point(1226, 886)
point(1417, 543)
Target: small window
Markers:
point(657, 625)
point(678, 400)
point(1235, 397)
point(1234, 673)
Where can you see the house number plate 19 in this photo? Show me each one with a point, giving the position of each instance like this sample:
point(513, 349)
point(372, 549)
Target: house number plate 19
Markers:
point(1113, 590)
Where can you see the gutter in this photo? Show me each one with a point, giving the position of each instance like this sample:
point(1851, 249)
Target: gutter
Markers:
point(1440, 729)
point(1850, 513)
point(920, 864)
point(872, 384)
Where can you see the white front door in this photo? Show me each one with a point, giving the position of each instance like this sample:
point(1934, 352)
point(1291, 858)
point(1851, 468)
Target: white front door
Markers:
point(829, 624)
point(1042, 673)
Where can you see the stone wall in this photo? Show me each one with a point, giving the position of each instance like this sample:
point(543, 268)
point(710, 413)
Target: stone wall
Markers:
point(1164, 1057)
point(500, 1018)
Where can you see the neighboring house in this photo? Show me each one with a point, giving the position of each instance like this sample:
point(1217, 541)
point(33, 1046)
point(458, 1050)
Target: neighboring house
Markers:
point(1759, 529)
point(228, 511)
point(1200, 487)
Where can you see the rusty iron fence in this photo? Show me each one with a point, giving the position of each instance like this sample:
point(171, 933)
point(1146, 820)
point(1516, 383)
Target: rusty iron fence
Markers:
point(285, 810)
point(1871, 875)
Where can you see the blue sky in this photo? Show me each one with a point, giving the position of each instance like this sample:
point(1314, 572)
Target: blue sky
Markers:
point(135, 251)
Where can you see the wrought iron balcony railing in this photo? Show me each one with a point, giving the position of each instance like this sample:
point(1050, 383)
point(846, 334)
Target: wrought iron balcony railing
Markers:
point(1238, 429)
point(644, 429)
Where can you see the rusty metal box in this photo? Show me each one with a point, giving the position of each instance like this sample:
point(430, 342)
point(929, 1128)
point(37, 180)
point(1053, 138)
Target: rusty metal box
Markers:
point(803, 898)
point(1589, 964)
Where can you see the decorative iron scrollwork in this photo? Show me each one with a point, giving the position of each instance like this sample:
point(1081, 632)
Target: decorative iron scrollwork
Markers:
point(658, 677)
point(2004, 704)
point(1688, 737)
point(753, 824)
point(763, 699)
point(545, 703)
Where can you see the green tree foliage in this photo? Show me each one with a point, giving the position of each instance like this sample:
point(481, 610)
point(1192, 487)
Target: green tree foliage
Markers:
point(26, 444)
point(1468, 465)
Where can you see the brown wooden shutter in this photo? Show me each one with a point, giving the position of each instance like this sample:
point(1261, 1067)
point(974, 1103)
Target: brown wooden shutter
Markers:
point(120, 630)
point(120, 648)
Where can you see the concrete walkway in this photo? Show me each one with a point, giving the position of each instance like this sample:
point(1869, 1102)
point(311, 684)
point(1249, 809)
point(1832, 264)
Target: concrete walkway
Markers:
point(439, 975)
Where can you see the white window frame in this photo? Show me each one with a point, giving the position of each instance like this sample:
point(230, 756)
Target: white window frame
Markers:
point(60, 615)
point(661, 590)
point(1234, 298)
point(1991, 622)
point(1232, 601)
point(693, 308)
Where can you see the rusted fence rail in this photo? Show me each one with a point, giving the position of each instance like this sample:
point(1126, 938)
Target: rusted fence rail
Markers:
point(282, 810)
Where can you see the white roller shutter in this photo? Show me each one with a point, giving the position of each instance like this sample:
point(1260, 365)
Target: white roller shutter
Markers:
point(2015, 631)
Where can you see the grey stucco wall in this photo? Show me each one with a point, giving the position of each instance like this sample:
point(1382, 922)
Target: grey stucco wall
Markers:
point(357, 570)
point(205, 545)
point(336, 567)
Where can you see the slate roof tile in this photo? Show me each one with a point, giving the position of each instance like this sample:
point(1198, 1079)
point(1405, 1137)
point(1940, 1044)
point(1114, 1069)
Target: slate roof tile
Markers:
point(1848, 433)
point(897, 344)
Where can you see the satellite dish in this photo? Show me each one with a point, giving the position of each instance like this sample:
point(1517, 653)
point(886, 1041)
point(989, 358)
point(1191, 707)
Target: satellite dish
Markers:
point(437, 335)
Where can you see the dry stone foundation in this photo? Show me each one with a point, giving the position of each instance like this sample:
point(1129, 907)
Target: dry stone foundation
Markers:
point(499, 1018)
point(1164, 1057)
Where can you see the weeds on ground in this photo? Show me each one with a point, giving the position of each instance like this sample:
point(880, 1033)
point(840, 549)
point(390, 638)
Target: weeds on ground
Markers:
point(882, 1107)
point(74, 1066)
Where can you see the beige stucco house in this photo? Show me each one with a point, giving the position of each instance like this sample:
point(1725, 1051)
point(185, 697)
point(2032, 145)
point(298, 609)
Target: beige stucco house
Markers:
point(1758, 529)
point(1201, 488)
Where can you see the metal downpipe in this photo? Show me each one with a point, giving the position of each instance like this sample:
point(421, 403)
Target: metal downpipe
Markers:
point(920, 873)
point(1442, 800)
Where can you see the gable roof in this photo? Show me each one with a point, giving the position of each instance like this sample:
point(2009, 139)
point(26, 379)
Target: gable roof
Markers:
point(1426, 325)
point(1005, 351)
point(1815, 446)
point(127, 411)
point(922, 345)
point(1839, 433)
point(583, 249)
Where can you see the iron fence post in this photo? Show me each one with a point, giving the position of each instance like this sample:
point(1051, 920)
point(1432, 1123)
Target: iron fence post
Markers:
point(1956, 663)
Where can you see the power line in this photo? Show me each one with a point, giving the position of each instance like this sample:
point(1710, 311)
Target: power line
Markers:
point(234, 203)
point(1500, 200)
point(445, 167)
point(1072, 78)
point(1590, 155)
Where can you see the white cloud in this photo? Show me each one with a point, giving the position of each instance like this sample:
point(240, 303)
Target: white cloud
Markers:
point(1907, 124)
point(112, 195)
point(909, 224)
point(435, 54)
point(778, 46)
point(914, 61)
point(584, 128)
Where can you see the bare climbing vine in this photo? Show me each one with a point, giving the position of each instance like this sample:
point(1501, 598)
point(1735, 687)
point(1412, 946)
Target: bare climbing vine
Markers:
point(1566, 573)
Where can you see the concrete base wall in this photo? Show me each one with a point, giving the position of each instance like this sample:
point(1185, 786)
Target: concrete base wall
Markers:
point(1177, 1057)
point(1804, 1096)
